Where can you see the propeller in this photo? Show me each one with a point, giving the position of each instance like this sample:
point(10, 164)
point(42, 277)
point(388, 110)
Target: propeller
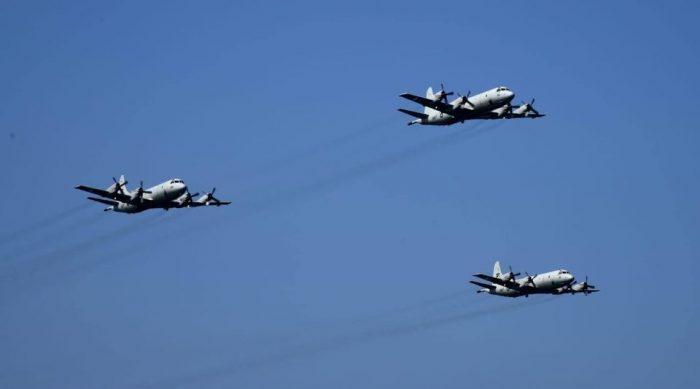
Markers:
point(442, 94)
point(530, 106)
point(530, 280)
point(140, 191)
point(465, 99)
point(511, 275)
point(119, 187)
point(210, 196)
point(188, 198)
point(585, 286)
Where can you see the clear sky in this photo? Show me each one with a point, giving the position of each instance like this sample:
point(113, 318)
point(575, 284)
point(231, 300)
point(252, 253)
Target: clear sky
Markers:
point(344, 257)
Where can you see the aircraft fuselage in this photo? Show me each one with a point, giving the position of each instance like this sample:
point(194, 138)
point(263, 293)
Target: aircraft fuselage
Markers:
point(160, 196)
point(473, 106)
point(545, 283)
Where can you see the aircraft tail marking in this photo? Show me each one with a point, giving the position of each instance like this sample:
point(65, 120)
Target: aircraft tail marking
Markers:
point(497, 269)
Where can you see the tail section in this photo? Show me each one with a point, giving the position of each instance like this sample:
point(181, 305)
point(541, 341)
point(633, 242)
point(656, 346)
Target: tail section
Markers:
point(485, 288)
point(414, 114)
point(420, 116)
point(431, 96)
point(122, 184)
point(497, 269)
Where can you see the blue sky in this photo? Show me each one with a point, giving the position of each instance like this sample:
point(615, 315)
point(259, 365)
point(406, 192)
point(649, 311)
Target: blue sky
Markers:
point(343, 259)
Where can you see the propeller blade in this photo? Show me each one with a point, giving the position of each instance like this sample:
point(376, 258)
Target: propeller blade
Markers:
point(141, 190)
point(443, 94)
point(530, 279)
point(119, 187)
point(466, 99)
point(512, 275)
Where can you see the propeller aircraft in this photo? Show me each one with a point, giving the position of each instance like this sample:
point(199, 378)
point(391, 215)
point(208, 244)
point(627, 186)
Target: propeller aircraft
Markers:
point(492, 104)
point(553, 282)
point(169, 194)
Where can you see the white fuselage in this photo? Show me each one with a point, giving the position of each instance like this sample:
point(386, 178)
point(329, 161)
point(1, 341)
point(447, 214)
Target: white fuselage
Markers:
point(487, 101)
point(543, 283)
point(160, 196)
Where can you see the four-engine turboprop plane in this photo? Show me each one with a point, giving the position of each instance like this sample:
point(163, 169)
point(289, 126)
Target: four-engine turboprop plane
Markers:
point(169, 194)
point(493, 104)
point(553, 282)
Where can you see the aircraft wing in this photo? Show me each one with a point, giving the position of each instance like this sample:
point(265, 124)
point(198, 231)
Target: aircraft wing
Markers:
point(195, 204)
point(507, 284)
point(438, 105)
point(103, 193)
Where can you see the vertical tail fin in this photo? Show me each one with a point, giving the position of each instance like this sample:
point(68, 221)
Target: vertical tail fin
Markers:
point(122, 182)
point(429, 95)
point(497, 269)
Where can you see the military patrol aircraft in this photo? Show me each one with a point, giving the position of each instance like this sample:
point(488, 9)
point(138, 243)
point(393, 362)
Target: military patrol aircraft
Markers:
point(553, 282)
point(493, 104)
point(169, 194)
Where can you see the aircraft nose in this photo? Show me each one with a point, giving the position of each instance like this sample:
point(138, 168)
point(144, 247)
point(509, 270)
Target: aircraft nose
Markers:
point(510, 95)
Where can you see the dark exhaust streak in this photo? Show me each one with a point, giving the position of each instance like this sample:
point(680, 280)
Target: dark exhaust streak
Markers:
point(286, 197)
point(314, 150)
point(30, 267)
point(341, 342)
point(41, 224)
point(41, 241)
point(331, 182)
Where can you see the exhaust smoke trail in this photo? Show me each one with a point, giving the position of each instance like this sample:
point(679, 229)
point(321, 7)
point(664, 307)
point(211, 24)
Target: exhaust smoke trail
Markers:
point(58, 271)
point(316, 149)
point(30, 267)
point(41, 224)
point(299, 193)
point(284, 197)
point(338, 342)
point(42, 241)
point(335, 180)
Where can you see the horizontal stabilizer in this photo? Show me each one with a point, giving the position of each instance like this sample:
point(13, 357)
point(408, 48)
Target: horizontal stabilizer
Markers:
point(414, 114)
point(104, 201)
point(481, 284)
